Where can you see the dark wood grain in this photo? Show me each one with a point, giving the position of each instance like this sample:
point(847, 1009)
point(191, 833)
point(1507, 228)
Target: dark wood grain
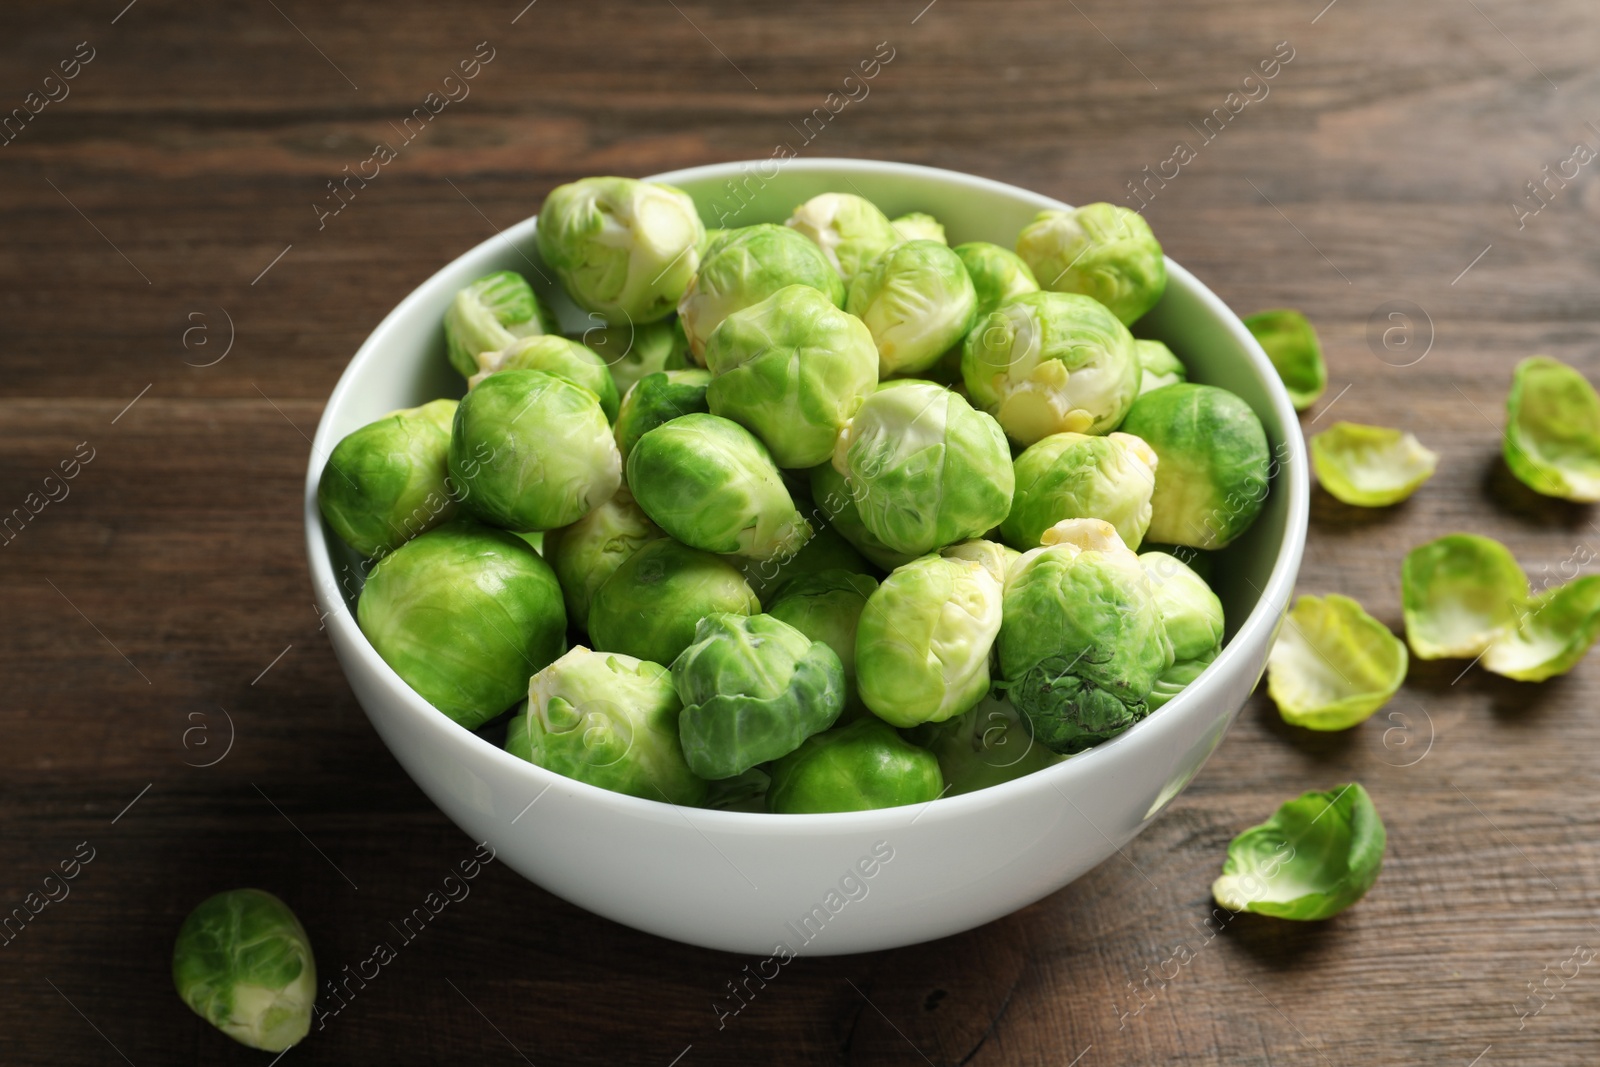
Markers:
point(151, 599)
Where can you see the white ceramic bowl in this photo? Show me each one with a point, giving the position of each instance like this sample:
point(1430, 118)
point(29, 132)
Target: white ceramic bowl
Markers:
point(818, 884)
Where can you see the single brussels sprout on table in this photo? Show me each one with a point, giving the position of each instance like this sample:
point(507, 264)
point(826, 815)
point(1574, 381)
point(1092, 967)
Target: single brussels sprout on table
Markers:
point(753, 688)
point(491, 314)
point(1157, 365)
point(1101, 251)
point(586, 553)
point(849, 229)
point(1333, 665)
point(1292, 346)
point(917, 301)
point(1192, 616)
point(1459, 593)
point(623, 248)
point(390, 481)
point(826, 550)
point(792, 369)
point(1317, 855)
point(464, 614)
point(1370, 466)
point(860, 767)
point(986, 746)
point(744, 267)
point(558, 356)
point(243, 963)
point(919, 226)
point(1552, 438)
point(632, 350)
point(650, 604)
point(656, 399)
point(998, 274)
point(1076, 476)
point(1049, 363)
point(830, 491)
point(826, 606)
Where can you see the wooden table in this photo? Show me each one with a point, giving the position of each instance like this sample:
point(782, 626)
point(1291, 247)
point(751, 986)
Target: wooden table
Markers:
point(177, 307)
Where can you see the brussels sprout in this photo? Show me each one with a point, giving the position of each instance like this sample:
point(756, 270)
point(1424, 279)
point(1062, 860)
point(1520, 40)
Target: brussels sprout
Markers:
point(243, 963)
point(565, 359)
point(1459, 594)
point(1554, 632)
point(792, 369)
point(464, 614)
point(518, 743)
point(1370, 466)
point(612, 721)
point(983, 747)
point(1157, 366)
point(923, 641)
point(918, 301)
point(831, 492)
point(1316, 856)
point(859, 767)
point(659, 398)
point(1192, 616)
point(1101, 251)
point(1333, 665)
point(1177, 677)
point(826, 606)
point(849, 229)
point(827, 550)
point(992, 556)
point(1214, 465)
point(924, 469)
point(918, 226)
point(744, 267)
point(998, 274)
point(753, 688)
point(1075, 476)
point(1081, 642)
point(531, 451)
point(1552, 438)
point(742, 792)
point(711, 484)
point(624, 248)
point(587, 553)
point(633, 350)
point(1050, 363)
point(388, 481)
point(1290, 342)
point(649, 606)
point(489, 315)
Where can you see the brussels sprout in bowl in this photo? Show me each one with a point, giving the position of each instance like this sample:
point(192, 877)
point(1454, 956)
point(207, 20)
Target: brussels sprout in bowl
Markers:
point(748, 880)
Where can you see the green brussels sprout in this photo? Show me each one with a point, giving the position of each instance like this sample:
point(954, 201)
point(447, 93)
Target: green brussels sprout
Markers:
point(1177, 677)
point(831, 492)
point(1333, 665)
point(243, 963)
point(1317, 855)
point(649, 606)
point(925, 470)
point(992, 556)
point(1157, 365)
point(918, 226)
point(489, 315)
point(1081, 639)
point(849, 229)
point(1292, 346)
point(612, 721)
point(742, 792)
point(753, 688)
point(924, 638)
point(1192, 616)
point(1049, 363)
point(555, 355)
point(633, 350)
point(1101, 251)
point(744, 267)
point(998, 274)
point(918, 301)
point(531, 451)
point(712, 484)
point(1554, 631)
point(826, 606)
point(1213, 470)
point(1370, 466)
point(1552, 438)
point(986, 746)
point(624, 248)
point(518, 742)
point(792, 369)
point(587, 553)
point(860, 767)
point(464, 614)
point(659, 398)
point(389, 481)
point(1075, 476)
point(826, 550)
point(1460, 593)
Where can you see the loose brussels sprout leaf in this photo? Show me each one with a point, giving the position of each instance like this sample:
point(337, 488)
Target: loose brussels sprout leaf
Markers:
point(1370, 466)
point(1214, 465)
point(656, 399)
point(1552, 438)
point(389, 481)
point(711, 484)
point(518, 743)
point(612, 721)
point(1049, 363)
point(992, 556)
point(831, 492)
point(983, 747)
point(587, 553)
point(1333, 665)
point(1157, 366)
point(558, 356)
point(1190, 612)
point(1553, 634)
point(1290, 342)
point(489, 315)
point(918, 226)
point(860, 767)
point(1315, 857)
point(623, 248)
point(753, 688)
point(1101, 251)
point(924, 469)
point(792, 369)
point(826, 606)
point(998, 274)
point(918, 301)
point(1075, 476)
point(744, 267)
point(742, 792)
point(635, 350)
point(826, 550)
point(464, 614)
point(531, 451)
point(243, 963)
point(1459, 593)
point(849, 229)
point(649, 606)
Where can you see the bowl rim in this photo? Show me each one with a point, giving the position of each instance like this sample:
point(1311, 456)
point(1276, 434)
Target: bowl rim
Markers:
point(1262, 620)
